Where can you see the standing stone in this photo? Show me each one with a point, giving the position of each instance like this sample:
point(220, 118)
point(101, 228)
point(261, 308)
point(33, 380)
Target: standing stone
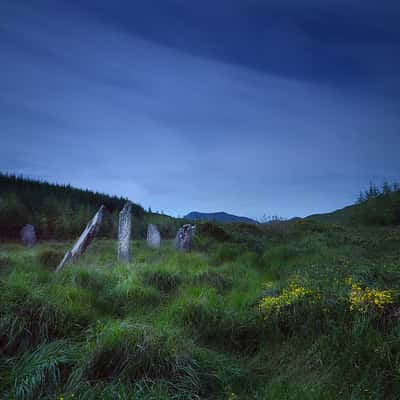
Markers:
point(184, 237)
point(179, 239)
point(84, 240)
point(124, 233)
point(153, 236)
point(28, 235)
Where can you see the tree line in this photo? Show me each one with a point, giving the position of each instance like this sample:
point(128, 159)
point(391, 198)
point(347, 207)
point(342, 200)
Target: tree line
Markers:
point(379, 205)
point(61, 211)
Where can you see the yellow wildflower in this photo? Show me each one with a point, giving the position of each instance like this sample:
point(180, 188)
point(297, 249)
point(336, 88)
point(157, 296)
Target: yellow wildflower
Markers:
point(362, 300)
point(288, 296)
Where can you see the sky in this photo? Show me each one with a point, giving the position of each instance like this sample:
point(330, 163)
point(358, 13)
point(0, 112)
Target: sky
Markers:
point(253, 107)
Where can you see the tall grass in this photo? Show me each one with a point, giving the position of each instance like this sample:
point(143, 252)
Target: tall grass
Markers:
point(251, 313)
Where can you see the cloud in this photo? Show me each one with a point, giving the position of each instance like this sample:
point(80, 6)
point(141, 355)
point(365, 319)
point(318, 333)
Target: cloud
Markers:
point(310, 40)
point(108, 110)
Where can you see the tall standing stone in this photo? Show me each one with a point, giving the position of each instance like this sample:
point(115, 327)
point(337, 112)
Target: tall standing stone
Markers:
point(153, 236)
point(124, 233)
point(184, 237)
point(84, 240)
point(28, 235)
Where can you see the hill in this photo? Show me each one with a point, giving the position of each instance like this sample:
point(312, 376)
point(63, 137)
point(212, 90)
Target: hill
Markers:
point(342, 216)
point(377, 207)
point(218, 217)
point(62, 211)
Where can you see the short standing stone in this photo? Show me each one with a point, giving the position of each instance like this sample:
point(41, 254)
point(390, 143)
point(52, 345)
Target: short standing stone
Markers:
point(124, 233)
point(153, 236)
point(184, 237)
point(28, 235)
point(179, 239)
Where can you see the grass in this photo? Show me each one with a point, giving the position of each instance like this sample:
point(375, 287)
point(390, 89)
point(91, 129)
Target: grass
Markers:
point(251, 313)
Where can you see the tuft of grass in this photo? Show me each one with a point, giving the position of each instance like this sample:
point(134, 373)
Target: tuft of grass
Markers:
point(161, 279)
point(49, 258)
point(6, 264)
point(203, 312)
point(133, 353)
point(213, 279)
point(126, 298)
point(40, 372)
point(32, 313)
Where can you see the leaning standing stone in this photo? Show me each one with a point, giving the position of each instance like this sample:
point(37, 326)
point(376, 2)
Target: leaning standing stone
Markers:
point(28, 235)
point(124, 233)
point(153, 236)
point(84, 240)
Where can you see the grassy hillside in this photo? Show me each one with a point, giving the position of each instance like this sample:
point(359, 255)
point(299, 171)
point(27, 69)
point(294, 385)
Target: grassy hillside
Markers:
point(218, 217)
point(343, 216)
point(376, 207)
point(62, 212)
point(299, 310)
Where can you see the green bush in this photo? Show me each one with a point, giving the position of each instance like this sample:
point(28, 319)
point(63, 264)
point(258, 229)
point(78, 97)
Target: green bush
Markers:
point(212, 231)
point(226, 252)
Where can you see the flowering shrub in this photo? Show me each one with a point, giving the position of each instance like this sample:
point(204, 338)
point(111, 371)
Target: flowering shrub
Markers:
point(365, 299)
point(290, 295)
point(392, 237)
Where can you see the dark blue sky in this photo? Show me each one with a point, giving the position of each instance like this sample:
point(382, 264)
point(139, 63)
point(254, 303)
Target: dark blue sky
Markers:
point(253, 107)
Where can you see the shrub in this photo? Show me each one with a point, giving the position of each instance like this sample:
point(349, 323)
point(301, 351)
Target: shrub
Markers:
point(299, 309)
point(289, 296)
point(243, 230)
point(367, 299)
point(251, 260)
point(213, 231)
point(226, 252)
point(309, 225)
point(279, 254)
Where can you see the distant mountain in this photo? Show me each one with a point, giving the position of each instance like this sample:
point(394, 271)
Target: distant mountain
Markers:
point(218, 217)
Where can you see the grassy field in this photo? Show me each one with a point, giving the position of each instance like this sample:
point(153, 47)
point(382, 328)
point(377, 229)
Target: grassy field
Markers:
point(298, 310)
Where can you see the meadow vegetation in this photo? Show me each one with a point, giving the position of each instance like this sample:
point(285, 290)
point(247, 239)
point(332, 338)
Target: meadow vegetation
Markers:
point(297, 310)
